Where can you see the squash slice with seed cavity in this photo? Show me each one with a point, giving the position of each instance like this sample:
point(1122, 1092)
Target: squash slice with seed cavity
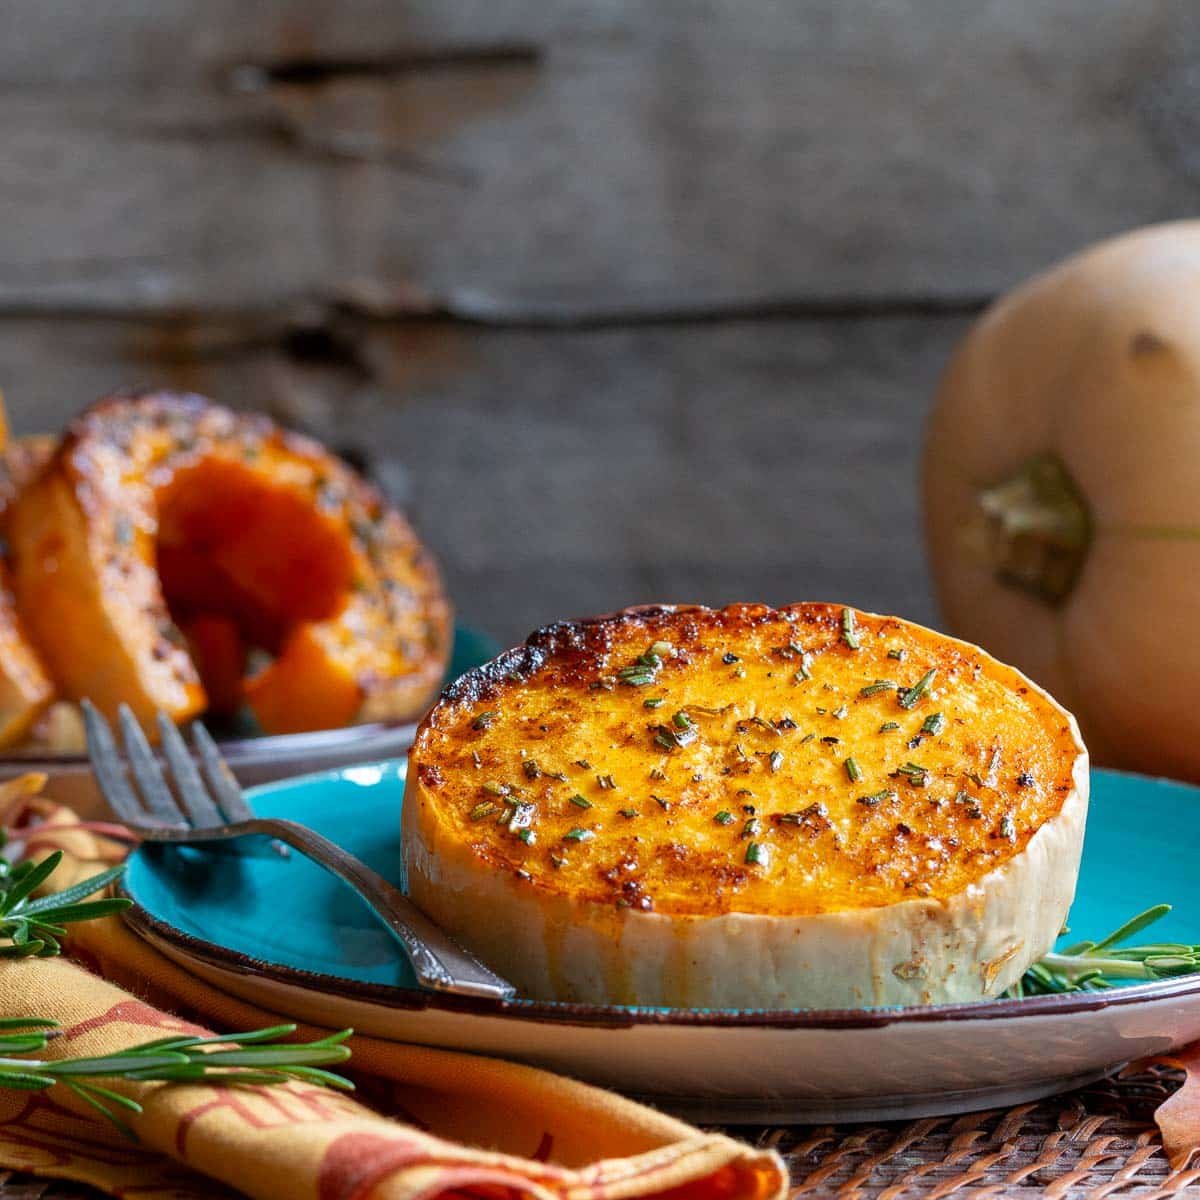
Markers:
point(160, 510)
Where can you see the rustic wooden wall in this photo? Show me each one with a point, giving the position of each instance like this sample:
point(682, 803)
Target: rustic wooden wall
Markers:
point(628, 301)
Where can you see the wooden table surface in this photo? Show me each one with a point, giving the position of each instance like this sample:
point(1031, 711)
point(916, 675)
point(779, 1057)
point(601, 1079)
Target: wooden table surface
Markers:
point(626, 301)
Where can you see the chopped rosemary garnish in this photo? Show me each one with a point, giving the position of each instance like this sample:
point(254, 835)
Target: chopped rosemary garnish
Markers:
point(775, 760)
point(917, 776)
point(757, 855)
point(578, 835)
point(751, 827)
point(481, 812)
point(853, 771)
point(583, 764)
point(910, 696)
point(654, 702)
point(644, 669)
point(628, 813)
point(681, 720)
point(729, 658)
point(1008, 828)
point(528, 836)
point(657, 774)
point(805, 671)
point(636, 676)
point(673, 739)
point(810, 816)
point(497, 789)
point(763, 723)
point(880, 685)
point(580, 801)
point(606, 783)
point(898, 655)
point(724, 817)
point(808, 737)
point(888, 726)
point(665, 805)
point(850, 629)
point(934, 723)
point(531, 769)
point(484, 719)
point(841, 713)
point(877, 799)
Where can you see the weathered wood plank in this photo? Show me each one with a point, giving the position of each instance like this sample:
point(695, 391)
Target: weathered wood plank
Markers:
point(573, 474)
point(681, 157)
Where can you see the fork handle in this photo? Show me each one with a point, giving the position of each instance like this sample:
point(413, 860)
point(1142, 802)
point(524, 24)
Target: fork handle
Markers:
point(437, 961)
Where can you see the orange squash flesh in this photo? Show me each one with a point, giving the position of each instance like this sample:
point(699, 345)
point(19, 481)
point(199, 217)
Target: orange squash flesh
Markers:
point(159, 508)
point(216, 646)
point(756, 725)
point(26, 690)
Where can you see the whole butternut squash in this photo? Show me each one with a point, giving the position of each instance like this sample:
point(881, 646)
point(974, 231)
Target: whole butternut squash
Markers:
point(158, 510)
point(1062, 491)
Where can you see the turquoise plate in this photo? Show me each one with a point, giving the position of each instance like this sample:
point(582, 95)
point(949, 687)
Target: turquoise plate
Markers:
point(287, 935)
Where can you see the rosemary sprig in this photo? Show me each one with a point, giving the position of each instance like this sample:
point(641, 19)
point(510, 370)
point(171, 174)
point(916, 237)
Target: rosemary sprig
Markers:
point(33, 927)
point(1097, 966)
point(30, 927)
point(240, 1059)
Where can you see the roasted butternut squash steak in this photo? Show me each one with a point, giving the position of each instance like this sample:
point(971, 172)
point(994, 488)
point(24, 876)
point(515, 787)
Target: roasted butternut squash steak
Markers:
point(749, 807)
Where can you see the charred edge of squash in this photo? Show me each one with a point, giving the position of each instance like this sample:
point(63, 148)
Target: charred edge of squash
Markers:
point(522, 662)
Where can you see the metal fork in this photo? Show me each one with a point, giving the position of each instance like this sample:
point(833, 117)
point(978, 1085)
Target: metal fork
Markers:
point(218, 812)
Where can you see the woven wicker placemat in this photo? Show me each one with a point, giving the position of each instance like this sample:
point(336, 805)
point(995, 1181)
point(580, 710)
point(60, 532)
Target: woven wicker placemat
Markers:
point(1098, 1141)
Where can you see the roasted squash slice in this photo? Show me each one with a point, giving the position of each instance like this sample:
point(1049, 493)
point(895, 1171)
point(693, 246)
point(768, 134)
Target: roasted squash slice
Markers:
point(160, 510)
point(25, 687)
point(747, 807)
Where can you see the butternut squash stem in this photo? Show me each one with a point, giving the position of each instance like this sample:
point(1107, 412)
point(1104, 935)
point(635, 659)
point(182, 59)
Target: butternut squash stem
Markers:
point(1037, 529)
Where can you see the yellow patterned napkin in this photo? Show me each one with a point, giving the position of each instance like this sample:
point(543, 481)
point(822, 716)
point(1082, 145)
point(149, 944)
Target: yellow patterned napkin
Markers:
point(425, 1123)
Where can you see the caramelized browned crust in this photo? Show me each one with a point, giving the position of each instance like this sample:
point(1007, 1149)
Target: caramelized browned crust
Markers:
point(694, 761)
